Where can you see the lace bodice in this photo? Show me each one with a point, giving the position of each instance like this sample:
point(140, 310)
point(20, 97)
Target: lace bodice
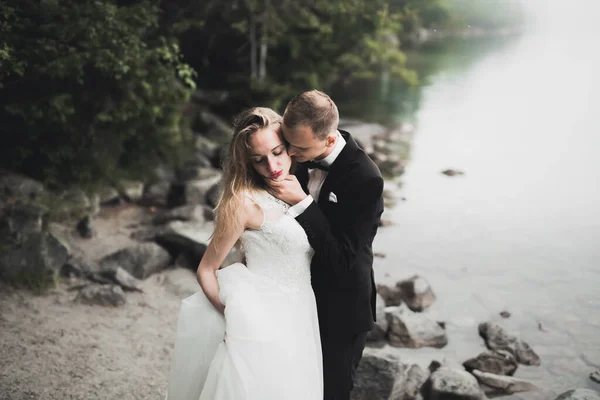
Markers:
point(280, 248)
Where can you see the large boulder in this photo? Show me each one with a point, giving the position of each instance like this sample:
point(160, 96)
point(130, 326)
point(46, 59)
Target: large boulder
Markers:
point(413, 330)
point(378, 377)
point(140, 260)
point(35, 261)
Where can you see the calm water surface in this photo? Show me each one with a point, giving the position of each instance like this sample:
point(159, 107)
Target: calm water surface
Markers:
point(520, 231)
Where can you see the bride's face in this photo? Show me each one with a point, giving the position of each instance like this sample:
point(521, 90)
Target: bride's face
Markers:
point(268, 154)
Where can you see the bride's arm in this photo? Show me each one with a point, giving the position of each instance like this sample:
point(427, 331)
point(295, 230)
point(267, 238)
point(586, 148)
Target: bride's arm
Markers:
point(212, 259)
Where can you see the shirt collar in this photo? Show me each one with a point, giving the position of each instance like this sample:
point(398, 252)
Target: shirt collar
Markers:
point(339, 146)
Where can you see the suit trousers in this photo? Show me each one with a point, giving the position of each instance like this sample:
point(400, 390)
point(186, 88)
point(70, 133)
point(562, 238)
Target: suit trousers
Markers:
point(341, 355)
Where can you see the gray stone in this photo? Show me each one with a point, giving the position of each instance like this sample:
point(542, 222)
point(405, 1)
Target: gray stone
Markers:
point(206, 146)
point(496, 338)
point(499, 362)
point(381, 324)
point(157, 194)
point(122, 278)
point(132, 190)
point(504, 384)
point(595, 376)
point(18, 221)
point(416, 293)
point(141, 260)
point(193, 172)
point(391, 295)
point(450, 383)
point(182, 238)
point(13, 185)
point(413, 330)
point(102, 295)
point(415, 378)
point(108, 196)
point(579, 394)
point(378, 377)
point(213, 195)
point(191, 192)
point(190, 212)
point(213, 126)
point(181, 282)
point(36, 261)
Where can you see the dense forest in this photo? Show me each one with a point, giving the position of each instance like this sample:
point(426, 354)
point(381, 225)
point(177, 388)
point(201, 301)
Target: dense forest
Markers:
point(94, 88)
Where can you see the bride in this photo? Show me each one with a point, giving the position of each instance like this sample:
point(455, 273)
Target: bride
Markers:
point(252, 332)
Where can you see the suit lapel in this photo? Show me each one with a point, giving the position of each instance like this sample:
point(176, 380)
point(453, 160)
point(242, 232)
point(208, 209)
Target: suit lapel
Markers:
point(339, 167)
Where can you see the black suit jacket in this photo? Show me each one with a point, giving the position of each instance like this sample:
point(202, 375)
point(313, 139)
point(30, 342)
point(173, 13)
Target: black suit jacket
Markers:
point(342, 234)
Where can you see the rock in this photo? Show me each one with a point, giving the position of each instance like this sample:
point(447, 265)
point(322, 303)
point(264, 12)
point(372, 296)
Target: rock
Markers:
point(141, 260)
point(499, 362)
point(18, 221)
point(122, 278)
point(504, 384)
point(213, 195)
point(391, 295)
point(579, 394)
point(190, 212)
point(35, 261)
point(13, 185)
point(102, 295)
point(191, 192)
point(413, 330)
point(181, 282)
point(183, 238)
point(163, 173)
point(595, 376)
point(415, 378)
point(79, 267)
point(109, 196)
point(452, 172)
point(193, 172)
point(76, 198)
point(84, 227)
point(450, 383)
point(378, 376)
point(206, 146)
point(132, 190)
point(157, 194)
point(213, 126)
point(416, 293)
point(496, 338)
point(505, 314)
point(381, 324)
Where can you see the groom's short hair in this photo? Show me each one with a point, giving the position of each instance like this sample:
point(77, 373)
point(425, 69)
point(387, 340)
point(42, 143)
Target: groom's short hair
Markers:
point(314, 109)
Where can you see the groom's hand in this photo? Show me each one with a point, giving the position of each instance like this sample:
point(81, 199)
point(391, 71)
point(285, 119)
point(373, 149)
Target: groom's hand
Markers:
point(288, 190)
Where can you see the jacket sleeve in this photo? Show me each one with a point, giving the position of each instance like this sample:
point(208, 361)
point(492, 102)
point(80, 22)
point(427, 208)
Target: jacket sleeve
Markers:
point(337, 247)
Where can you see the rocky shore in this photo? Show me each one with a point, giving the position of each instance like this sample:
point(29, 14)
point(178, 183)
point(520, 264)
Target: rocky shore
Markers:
point(108, 270)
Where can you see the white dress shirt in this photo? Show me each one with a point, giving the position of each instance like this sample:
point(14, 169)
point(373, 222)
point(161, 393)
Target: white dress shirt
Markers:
point(316, 177)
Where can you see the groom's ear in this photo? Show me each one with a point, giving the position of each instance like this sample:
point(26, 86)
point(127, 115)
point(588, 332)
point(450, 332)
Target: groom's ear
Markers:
point(330, 141)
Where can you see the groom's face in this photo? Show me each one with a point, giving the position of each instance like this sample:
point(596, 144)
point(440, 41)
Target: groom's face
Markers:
point(304, 145)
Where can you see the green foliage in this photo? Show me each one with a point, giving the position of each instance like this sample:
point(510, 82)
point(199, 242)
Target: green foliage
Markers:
point(88, 88)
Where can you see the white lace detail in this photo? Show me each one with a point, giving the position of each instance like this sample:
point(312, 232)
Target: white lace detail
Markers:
point(279, 249)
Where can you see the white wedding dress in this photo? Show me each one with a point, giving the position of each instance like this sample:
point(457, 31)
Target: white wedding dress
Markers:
point(272, 349)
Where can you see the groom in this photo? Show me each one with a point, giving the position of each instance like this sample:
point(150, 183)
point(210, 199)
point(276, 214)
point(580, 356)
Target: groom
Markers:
point(336, 195)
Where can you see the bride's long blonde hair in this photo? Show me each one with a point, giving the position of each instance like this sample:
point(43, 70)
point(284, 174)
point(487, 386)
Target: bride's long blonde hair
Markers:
point(239, 176)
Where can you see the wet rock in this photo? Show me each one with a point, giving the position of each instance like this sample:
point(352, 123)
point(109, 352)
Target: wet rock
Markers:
point(391, 295)
point(381, 324)
point(191, 212)
point(13, 185)
point(496, 338)
point(579, 394)
point(84, 227)
point(141, 260)
point(499, 362)
point(451, 383)
point(102, 295)
point(378, 376)
point(452, 172)
point(595, 376)
point(503, 385)
point(416, 293)
point(413, 330)
point(35, 261)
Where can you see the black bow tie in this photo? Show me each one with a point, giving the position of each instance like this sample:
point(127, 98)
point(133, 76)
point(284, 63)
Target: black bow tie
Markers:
point(313, 165)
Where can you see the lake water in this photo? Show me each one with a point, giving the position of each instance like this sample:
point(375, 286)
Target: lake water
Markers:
point(520, 231)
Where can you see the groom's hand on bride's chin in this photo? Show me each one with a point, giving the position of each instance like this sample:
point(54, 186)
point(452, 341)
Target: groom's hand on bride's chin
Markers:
point(288, 190)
